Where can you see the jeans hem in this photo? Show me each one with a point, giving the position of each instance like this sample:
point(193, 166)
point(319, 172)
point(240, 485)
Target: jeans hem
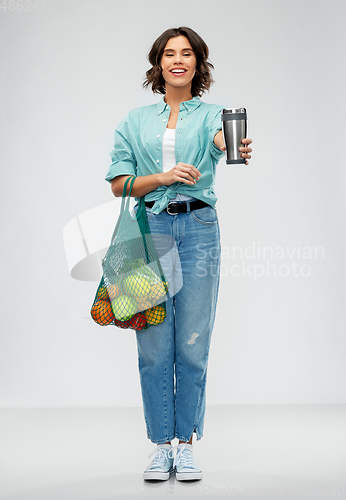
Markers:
point(161, 441)
point(198, 436)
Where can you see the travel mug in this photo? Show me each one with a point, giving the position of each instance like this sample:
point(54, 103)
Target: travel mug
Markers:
point(234, 128)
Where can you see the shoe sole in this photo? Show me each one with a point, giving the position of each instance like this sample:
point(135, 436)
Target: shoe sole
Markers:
point(188, 476)
point(157, 476)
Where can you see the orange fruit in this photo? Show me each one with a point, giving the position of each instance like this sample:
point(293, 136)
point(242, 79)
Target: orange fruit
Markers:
point(102, 293)
point(102, 313)
point(113, 292)
point(158, 290)
point(143, 304)
point(155, 315)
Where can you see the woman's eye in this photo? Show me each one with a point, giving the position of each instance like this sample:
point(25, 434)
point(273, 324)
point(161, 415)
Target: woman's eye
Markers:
point(187, 54)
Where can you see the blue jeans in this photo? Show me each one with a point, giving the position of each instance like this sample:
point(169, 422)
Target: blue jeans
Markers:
point(173, 356)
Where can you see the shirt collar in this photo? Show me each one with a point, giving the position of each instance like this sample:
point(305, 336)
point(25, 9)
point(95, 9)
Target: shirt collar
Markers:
point(190, 105)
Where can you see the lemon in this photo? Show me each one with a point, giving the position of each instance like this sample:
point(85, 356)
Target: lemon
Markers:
point(137, 285)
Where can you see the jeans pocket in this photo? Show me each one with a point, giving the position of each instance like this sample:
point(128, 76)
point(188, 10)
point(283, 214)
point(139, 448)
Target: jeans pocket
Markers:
point(148, 211)
point(134, 210)
point(206, 216)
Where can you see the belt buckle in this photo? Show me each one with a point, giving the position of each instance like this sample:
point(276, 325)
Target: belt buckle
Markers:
point(172, 203)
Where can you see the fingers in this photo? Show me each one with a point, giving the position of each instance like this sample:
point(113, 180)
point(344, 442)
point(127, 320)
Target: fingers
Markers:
point(184, 172)
point(246, 150)
point(246, 153)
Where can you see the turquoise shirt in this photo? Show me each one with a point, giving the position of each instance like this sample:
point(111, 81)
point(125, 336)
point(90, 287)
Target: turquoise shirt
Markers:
point(138, 147)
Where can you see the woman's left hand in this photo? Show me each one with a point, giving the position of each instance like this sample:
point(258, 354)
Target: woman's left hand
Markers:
point(244, 150)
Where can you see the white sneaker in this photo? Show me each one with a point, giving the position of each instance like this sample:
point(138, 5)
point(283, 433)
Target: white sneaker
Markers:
point(161, 466)
point(184, 463)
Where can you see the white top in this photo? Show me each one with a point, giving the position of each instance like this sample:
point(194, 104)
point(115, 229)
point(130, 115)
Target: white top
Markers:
point(168, 158)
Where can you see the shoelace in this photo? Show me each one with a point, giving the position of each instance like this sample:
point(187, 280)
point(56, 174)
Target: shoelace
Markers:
point(184, 459)
point(160, 457)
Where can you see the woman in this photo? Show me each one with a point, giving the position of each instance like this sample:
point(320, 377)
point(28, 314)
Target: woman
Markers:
point(173, 148)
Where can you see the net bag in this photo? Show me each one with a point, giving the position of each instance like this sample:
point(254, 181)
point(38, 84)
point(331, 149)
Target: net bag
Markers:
point(133, 290)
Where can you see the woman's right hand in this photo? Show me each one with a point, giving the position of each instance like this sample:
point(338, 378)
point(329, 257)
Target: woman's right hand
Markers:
point(182, 172)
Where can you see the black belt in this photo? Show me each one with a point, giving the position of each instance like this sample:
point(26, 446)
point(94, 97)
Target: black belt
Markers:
point(177, 207)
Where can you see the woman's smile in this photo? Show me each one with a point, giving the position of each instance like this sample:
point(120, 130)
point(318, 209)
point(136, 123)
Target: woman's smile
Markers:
point(178, 72)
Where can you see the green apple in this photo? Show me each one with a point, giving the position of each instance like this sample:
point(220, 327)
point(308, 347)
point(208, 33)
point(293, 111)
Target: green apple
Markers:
point(124, 307)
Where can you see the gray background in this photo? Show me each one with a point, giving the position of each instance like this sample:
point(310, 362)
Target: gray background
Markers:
point(69, 75)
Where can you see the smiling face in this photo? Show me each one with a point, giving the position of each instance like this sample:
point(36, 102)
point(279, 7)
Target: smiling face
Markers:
point(178, 63)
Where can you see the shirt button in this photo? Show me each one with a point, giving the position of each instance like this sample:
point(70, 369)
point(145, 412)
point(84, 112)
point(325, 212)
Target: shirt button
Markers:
point(158, 135)
point(179, 132)
point(164, 120)
point(157, 161)
point(179, 155)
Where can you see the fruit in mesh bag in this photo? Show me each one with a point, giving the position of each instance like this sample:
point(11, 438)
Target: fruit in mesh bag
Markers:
point(158, 290)
point(102, 293)
point(124, 307)
point(113, 292)
point(155, 315)
point(137, 285)
point(143, 303)
point(108, 293)
point(102, 313)
point(136, 323)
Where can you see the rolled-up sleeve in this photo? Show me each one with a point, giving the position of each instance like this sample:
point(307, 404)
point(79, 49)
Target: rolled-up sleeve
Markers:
point(122, 156)
point(214, 127)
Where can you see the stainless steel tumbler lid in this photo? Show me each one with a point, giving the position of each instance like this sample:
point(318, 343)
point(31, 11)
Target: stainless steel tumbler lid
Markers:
point(233, 114)
point(234, 110)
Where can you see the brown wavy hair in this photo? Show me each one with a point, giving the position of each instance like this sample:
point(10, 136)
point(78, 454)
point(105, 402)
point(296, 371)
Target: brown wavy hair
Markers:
point(202, 79)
